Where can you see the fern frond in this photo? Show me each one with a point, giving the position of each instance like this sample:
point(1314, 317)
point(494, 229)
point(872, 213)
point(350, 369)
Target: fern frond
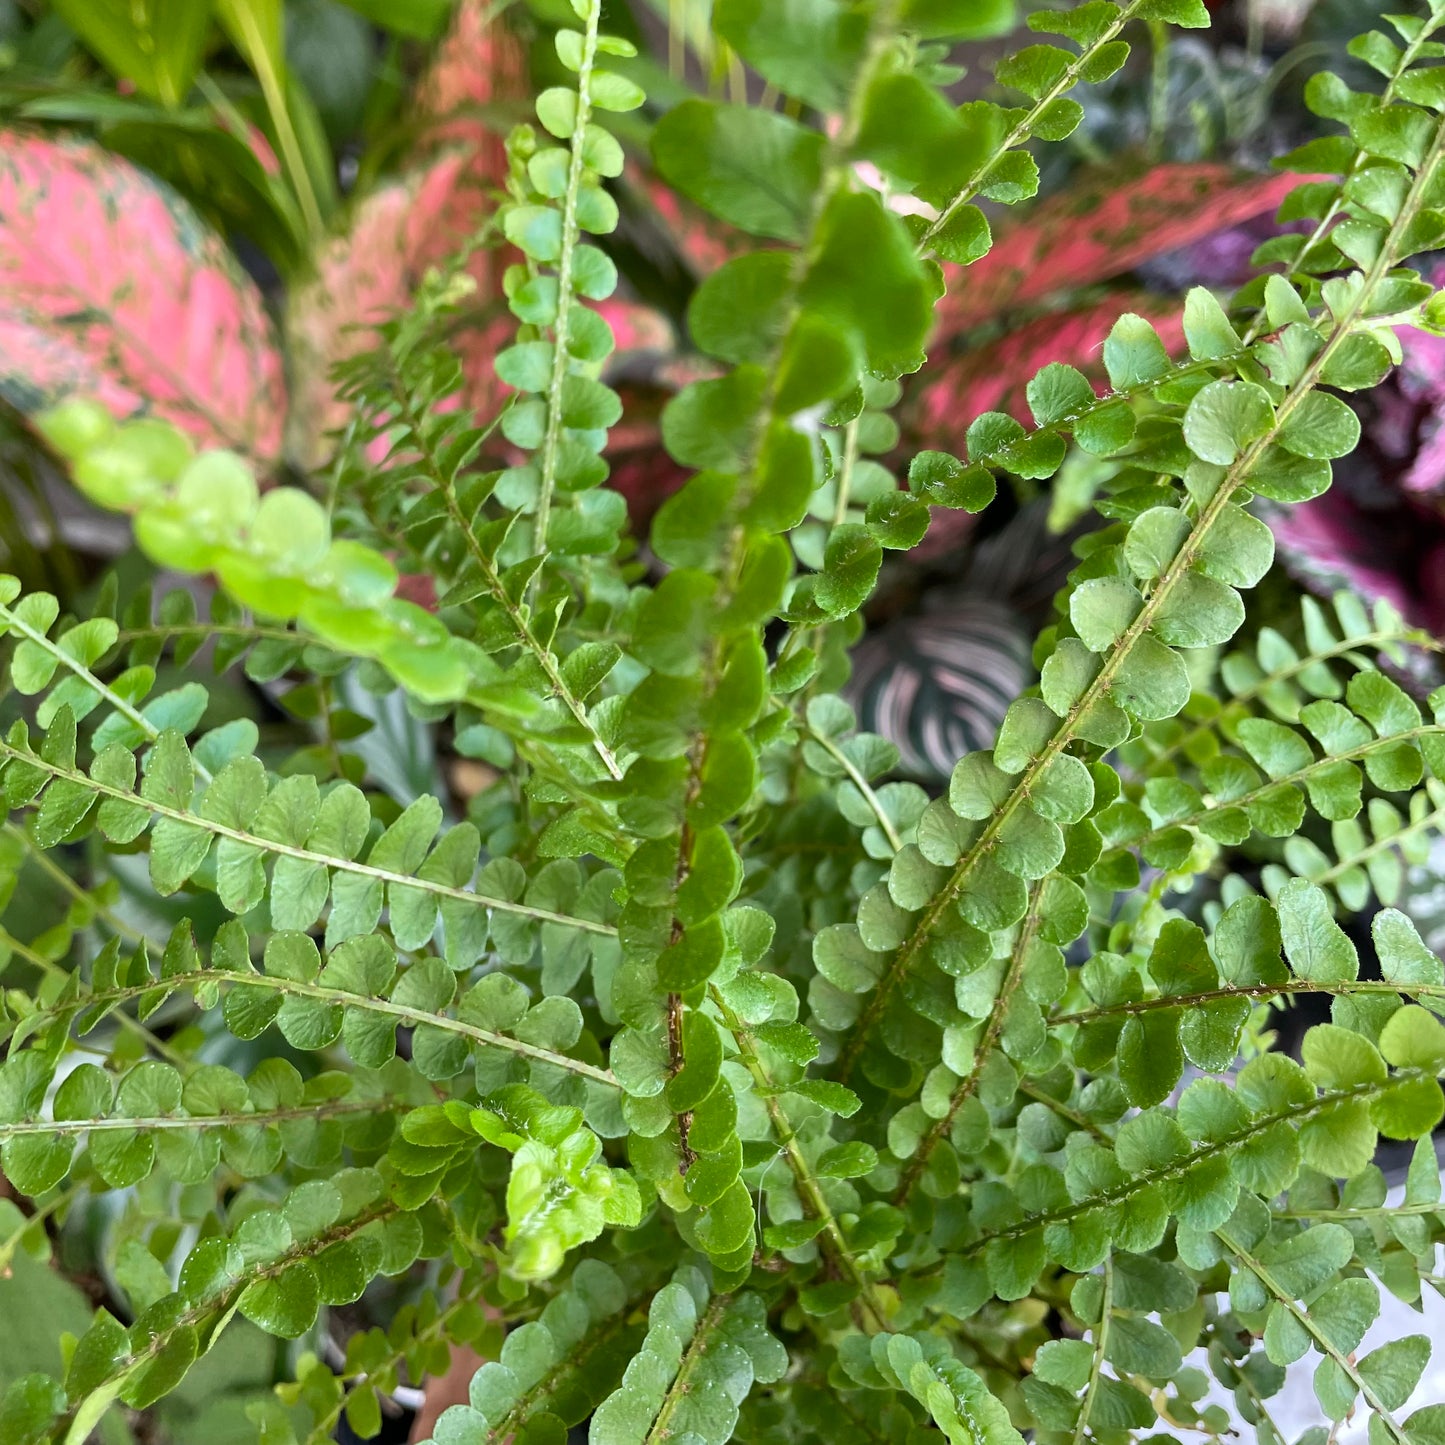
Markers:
point(314, 841)
point(1371, 853)
point(678, 1384)
point(1277, 678)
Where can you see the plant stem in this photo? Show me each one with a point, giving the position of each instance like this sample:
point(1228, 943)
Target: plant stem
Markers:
point(162, 1122)
point(1179, 568)
point(1326, 1346)
point(15, 623)
point(885, 823)
point(1101, 1343)
point(52, 969)
point(835, 1246)
point(553, 436)
point(1158, 86)
point(403, 1013)
point(1028, 930)
point(1299, 776)
point(303, 855)
point(1255, 991)
point(1024, 128)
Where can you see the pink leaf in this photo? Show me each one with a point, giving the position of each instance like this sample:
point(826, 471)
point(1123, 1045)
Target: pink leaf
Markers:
point(637, 328)
point(1102, 228)
point(367, 276)
point(111, 286)
point(993, 377)
point(478, 65)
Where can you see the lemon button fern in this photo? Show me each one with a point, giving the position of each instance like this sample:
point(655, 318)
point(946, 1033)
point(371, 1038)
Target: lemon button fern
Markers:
point(713, 1082)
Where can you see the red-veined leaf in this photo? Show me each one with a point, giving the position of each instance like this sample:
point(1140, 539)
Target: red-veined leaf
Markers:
point(1100, 228)
point(993, 377)
point(112, 286)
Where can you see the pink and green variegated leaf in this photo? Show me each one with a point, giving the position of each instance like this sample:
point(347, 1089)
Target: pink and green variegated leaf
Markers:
point(1100, 228)
point(422, 219)
point(367, 276)
point(638, 329)
point(993, 377)
point(111, 286)
point(479, 67)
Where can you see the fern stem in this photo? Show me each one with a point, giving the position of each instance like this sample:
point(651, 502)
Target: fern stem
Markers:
point(1376, 641)
point(1299, 776)
point(11, 1242)
point(516, 614)
point(835, 175)
point(304, 855)
point(1252, 990)
point(846, 465)
point(15, 623)
point(222, 1306)
point(296, 989)
point(160, 1122)
point(856, 777)
point(1177, 569)
point(1379, 1211)
point(437, 1329)
point(52, 969)
point(682, 1381)
point(1257, 1400)
point(1408, 56)
point(940, 1128)
point(523, 629)
point(1078, 1119)
point(835, 1246)
point(43, 860)
point(1214, 1148)
point(553, 436)
point(1432, 820)
point(1322, 1340)
point(1024, 128)
point(1101, 1343)
point(507, 1427)
point(205, 630)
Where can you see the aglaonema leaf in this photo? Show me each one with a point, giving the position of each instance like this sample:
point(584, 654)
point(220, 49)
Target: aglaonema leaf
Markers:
point(110, 286)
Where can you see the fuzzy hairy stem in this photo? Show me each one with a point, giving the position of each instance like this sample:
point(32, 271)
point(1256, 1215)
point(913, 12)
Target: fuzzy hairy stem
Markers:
point(570, 232)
